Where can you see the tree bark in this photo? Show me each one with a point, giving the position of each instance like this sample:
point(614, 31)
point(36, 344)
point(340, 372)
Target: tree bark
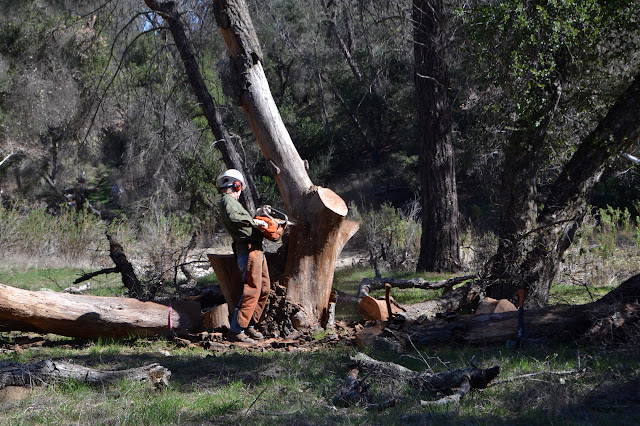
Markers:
point(531, 257)
point(320, 229)
point(93, 316)
point(440, 240)
point(224, 144)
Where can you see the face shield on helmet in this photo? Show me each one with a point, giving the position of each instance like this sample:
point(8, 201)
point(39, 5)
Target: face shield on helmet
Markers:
point(232, 178)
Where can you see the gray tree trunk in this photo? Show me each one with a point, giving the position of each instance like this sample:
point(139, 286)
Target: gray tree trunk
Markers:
point(320, 230)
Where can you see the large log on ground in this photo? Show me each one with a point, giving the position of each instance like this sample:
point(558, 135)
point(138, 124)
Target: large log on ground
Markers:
point(616, 315)
point(93, 316)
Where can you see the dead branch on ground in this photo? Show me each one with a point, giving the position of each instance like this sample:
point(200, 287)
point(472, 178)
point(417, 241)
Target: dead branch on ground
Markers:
point(48, 371)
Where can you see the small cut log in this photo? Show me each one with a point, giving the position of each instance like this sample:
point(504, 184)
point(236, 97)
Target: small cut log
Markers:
point(374, 309)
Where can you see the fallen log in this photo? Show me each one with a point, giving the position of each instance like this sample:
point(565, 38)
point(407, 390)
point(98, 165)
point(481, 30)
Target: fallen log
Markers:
point(460, 297)
point(93, 316)
point(47, 371)
point(356, 392)
point(614, 316)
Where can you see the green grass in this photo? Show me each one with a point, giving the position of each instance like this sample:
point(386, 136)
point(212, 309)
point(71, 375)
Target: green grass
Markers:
point(34, 279)
point(562, 294)
point(279, 387)
point(289, 387)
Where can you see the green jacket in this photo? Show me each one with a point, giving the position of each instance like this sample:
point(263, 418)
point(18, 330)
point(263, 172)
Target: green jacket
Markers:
point(239, 224)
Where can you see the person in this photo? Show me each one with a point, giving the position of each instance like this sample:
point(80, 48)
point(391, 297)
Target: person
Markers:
point(247, 248)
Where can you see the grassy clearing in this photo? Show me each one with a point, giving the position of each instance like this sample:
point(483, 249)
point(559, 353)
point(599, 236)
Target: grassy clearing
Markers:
point(35, 278)
point(278, 387)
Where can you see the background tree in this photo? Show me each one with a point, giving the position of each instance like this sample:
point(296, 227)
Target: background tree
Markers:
point(440, 240)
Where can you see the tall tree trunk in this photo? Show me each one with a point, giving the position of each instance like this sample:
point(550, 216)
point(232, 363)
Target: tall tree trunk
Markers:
point(440, 241)
point(230, 156)
point(536, 253)
point(320, 229)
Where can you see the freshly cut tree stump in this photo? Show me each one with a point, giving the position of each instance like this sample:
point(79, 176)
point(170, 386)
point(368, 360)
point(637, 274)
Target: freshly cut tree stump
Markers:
point(217, 317)
point(43, 372)
point(93, 316)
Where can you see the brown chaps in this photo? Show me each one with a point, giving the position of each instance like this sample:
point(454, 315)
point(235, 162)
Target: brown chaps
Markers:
point(256, 289)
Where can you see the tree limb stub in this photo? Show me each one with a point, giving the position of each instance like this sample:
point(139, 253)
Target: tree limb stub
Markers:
point(47, 371)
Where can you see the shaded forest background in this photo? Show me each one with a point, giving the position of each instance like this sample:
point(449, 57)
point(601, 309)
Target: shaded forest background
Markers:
point(97, 90)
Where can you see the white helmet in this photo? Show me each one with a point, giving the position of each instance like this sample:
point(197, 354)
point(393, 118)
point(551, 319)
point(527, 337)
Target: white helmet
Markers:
point(232, 178)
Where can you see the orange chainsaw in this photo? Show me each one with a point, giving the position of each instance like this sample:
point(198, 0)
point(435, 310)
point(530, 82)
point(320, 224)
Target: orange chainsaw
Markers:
point(276, 222)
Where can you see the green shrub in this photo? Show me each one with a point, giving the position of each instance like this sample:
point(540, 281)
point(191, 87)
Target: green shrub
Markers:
point(606, 249)
point(390, 235)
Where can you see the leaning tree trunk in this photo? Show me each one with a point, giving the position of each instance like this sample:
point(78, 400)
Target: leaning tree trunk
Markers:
point(535, 255)
point(229, 154)
point(440, 240)
point(320, 229)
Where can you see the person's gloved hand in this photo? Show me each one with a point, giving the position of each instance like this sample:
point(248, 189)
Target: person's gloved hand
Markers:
point(260, 223)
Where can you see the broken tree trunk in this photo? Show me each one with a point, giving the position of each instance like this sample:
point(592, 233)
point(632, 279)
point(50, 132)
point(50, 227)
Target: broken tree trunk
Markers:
point(614, 316)
point(320, 229)
point(47, 371)
point(93, 316)
point(124, 267)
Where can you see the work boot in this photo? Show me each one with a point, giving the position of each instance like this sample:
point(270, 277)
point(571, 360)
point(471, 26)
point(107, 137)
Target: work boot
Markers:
point(239, 337)
point(253, 333)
